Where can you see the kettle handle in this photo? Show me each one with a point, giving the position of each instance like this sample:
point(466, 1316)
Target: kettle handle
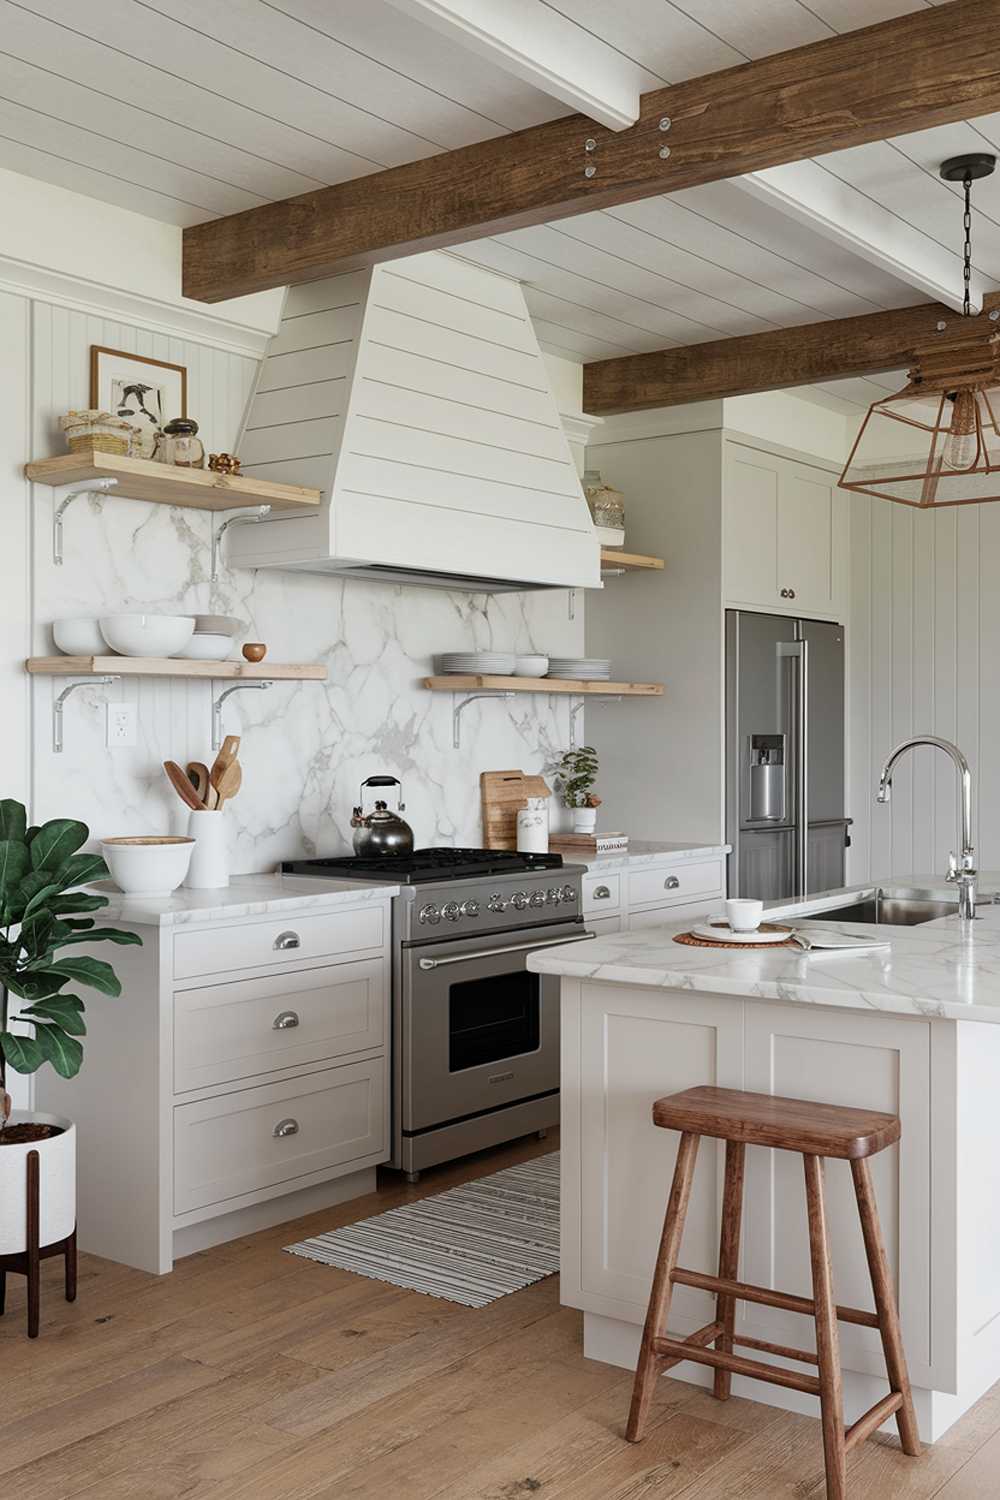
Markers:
point(383, 781)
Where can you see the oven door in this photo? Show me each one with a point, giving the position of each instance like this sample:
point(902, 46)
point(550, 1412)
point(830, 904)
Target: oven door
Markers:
point(477, 1030)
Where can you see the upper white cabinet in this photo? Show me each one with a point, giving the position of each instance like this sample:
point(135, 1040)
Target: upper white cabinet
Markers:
point(784, 533)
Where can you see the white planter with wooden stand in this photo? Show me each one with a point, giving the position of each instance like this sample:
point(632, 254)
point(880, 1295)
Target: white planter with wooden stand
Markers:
point(38, 1206)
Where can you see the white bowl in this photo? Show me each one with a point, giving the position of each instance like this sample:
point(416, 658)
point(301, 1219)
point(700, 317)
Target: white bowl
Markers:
point(207, 647)
point(531, 666)
point(147, 635)
point(79, 637)
point(148, 865)
point(217, 625)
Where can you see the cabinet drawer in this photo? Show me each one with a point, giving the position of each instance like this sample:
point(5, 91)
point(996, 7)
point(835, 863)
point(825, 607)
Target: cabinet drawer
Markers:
point(601, 893)
point(225, 950)
point(682, 882)
point(662, 916)
point(250, 1026)
point(242, 1143)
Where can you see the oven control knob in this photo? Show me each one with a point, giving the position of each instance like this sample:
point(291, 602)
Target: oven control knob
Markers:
point(519, 900)
point(429, 914)
point(470, 908)
point(536, 899)
point(568, 893)
point(451, 911)
point(553, 895)
point(497, 903)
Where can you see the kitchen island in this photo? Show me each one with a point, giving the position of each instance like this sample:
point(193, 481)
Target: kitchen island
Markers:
point(912, 1027)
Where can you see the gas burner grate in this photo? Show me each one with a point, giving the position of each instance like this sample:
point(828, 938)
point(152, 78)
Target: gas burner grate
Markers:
point(427, 864)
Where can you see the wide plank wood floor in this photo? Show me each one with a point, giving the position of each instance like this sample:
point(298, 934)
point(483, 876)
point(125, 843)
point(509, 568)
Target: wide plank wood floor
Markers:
point(252, 1373)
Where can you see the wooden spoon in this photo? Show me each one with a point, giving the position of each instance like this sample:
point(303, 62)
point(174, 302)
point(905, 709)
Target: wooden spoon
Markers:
point(181, 784)
point(226, 756)
point(229, 783)
point(198, 776)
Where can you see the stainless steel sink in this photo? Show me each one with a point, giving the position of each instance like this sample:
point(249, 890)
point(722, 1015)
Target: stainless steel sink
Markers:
point(896, 908)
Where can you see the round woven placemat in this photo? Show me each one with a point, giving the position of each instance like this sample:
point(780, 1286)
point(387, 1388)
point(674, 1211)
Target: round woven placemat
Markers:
point(690, 941)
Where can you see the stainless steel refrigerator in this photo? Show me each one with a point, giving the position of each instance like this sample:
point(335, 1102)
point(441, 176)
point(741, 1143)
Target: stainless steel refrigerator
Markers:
point(785, 814)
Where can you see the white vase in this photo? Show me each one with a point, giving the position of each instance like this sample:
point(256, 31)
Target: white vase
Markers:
point(584, 819)
point(533, 827)
point(209, 868)
point(56, 1184)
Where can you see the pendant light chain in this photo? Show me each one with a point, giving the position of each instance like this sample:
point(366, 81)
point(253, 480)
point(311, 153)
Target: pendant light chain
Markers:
point(967, 262)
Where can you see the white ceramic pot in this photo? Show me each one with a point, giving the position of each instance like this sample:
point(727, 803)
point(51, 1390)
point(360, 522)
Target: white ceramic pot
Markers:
point(56, 1184)
point(152, 865)
point(209, 870)
point(533, 827)
point(584, 819)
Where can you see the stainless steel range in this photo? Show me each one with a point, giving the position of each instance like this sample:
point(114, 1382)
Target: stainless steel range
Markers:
point(475, 1036)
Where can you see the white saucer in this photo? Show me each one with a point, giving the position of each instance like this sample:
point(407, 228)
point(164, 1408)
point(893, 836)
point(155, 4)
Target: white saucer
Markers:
point(721, 932)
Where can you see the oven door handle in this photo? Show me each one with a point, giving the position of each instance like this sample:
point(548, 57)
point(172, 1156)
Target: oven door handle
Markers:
point(462, 958)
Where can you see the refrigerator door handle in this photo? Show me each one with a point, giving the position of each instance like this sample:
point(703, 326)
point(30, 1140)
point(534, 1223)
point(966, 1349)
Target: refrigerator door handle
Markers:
point(799, 652)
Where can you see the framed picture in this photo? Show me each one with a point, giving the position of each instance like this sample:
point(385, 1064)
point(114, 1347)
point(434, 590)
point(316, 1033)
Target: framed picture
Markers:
point(146, 392)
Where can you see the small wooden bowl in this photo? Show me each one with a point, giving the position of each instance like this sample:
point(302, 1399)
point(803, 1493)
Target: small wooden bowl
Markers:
point(255, 651)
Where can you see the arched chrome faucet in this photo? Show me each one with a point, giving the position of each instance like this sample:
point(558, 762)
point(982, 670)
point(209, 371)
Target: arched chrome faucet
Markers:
point(962, 874)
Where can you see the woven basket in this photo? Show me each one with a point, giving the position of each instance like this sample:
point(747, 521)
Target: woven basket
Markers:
point(96, 431)
point(101, 442)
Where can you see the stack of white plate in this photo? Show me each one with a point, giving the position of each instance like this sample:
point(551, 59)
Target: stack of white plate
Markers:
point(584, 668)
point(480, 663)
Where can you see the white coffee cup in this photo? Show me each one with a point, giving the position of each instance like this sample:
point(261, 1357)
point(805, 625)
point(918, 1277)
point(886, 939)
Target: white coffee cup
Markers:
point(744, 916)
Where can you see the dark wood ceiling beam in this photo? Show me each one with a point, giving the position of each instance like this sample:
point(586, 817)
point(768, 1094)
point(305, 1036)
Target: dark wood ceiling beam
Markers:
point(935, 66)
point(772, 361)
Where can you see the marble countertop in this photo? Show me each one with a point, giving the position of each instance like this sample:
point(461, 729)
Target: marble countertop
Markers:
point(937, 969)
point(245, 896)
point(646, 852)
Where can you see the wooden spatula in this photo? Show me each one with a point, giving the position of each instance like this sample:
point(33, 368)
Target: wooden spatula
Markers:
point(229, 783)
point(181, 784)
point(226, 756)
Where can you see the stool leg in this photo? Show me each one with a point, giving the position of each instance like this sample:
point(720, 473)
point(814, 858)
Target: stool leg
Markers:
point(659, 1297)
point(32, 1260)
point(729, 1257)
point(885, 1306)
point(827, 1339)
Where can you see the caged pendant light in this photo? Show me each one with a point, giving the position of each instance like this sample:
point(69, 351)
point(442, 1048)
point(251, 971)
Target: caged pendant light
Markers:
point(937, 442)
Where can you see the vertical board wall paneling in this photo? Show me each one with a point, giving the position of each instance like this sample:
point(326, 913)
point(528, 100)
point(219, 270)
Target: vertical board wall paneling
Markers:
point(925, 630)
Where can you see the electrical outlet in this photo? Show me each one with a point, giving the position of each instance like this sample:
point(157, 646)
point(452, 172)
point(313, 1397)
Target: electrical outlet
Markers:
point(121, 725)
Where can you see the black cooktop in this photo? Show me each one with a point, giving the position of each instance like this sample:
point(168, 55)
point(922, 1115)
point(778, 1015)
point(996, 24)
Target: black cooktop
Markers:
point(426, 864)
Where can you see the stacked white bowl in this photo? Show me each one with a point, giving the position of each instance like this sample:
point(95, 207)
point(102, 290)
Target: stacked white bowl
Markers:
point(212, 639)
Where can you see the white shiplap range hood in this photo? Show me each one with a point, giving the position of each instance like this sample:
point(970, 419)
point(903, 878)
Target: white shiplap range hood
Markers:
point(415, 396)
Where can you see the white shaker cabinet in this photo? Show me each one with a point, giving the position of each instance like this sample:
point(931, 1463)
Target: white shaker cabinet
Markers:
point(241, 1079)
point(784, 534)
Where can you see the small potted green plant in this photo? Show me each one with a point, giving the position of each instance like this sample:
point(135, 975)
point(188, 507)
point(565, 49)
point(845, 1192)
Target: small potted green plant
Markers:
point(41, 912)
point(576, 775)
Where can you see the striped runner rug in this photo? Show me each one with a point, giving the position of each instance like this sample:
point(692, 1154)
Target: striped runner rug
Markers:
point(470, 1244)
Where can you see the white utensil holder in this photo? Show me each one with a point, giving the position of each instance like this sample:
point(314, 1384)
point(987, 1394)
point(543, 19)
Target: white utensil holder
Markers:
point(209, 869)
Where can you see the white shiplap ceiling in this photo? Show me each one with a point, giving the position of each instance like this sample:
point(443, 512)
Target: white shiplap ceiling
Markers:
point(188, 109)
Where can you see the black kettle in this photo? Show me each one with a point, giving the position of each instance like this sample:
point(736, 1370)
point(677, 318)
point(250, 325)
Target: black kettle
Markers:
point(381, 834)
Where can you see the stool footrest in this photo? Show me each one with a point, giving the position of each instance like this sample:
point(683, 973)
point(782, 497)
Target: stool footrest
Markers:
point(804, 1356)
point(872, 1419)
point(744, 1291)
point(676, 1350)
point(699, 1338)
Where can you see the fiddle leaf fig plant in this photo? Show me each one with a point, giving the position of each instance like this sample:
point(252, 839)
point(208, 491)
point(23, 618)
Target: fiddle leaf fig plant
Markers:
point(42, 912)
point(576, 773)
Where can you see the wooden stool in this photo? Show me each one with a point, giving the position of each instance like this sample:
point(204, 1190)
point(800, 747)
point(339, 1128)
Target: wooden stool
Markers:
point(816, 1130)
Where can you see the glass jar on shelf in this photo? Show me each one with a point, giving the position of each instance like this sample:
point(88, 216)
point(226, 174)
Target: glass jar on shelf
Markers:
point(607, 505)
point(180, 444)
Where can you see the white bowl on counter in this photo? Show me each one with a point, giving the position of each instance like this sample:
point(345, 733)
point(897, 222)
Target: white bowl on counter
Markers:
point(148, 864)
point(207, 647)
point(79, 637)
point(531, 666)
point(147, 635)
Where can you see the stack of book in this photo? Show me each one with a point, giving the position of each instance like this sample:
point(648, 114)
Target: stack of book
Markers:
point(588, 843)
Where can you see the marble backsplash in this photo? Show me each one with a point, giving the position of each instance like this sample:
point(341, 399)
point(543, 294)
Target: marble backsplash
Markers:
point(306, 746)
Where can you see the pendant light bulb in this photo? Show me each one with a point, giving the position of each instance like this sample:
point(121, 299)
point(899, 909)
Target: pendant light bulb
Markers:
point(961, 447)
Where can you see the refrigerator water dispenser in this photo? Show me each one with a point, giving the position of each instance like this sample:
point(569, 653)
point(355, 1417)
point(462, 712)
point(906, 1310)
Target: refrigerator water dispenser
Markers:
point(767, 778)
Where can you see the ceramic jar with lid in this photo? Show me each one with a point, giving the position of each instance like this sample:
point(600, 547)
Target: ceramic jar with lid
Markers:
point(180, 444)
point(533, 827)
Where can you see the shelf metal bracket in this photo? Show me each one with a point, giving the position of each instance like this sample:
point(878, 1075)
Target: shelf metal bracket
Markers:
point(237, 687)
point(572, 603)
point(219, 532)
point(59, 704)
point(90, 487)
point(577, 709)
point(456, 713)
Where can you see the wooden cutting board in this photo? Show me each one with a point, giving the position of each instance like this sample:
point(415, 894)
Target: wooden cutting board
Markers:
point(503, 793)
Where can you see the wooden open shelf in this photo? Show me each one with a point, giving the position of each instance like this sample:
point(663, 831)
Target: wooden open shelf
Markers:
point(463, 682)
point(172, 666)
point(630, 561)
point(138, 479)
